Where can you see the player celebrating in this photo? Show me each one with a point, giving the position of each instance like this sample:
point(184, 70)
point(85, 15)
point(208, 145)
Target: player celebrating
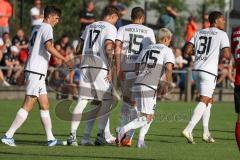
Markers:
point(207, 44)
point(235, 46)
point(97, 46)
point(153, 59)
point(40, 50)
point(131, 39)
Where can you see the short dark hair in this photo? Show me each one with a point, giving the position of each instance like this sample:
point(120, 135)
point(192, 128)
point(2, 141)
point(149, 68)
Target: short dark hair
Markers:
point(137, 13)
point(213, 16)
point(51, 10)
point(110, 10)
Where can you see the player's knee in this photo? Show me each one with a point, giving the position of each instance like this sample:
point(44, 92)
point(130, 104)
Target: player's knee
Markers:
point(44, 106)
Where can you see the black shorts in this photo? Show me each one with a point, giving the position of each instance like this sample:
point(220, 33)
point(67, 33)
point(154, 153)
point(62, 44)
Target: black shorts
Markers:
point(237, 98)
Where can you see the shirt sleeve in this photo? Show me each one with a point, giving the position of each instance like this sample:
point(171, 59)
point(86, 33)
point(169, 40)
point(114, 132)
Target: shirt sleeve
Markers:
point(169, 57)
point(120, 34)
point(193, 39)
point(153, 37)
point(111, 33)
point(47, 33)
point(84, 34)
point(224, 41)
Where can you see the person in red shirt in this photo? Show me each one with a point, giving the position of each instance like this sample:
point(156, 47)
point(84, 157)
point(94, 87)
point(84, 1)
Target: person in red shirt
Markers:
point(191, 28)
point(235, 45)
point(5, 13)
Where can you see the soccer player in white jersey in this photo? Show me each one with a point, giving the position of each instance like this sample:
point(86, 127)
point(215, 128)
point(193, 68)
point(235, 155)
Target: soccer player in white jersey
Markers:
point(40, 50)
point(97, 49)
point(131, 39)
point(207, 45)
point(153, 60)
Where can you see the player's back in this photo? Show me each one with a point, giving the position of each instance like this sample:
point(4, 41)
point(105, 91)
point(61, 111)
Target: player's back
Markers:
point(94, 38)
point(152, 61)
point(134, 37)
point(208, 44)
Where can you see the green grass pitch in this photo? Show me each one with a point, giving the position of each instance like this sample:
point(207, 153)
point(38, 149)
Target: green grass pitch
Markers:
point(164, 139)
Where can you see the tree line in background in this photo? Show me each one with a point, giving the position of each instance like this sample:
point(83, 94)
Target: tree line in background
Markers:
point(69, 22)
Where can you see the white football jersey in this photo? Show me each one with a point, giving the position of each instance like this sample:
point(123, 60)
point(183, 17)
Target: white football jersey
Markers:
point(152, 62)
point(134, 38)
point(38, 56)
point(208, 44)
point(94, 38)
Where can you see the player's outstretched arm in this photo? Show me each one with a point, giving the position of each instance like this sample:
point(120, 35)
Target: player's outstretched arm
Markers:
point(53, 51)
point(188, 49)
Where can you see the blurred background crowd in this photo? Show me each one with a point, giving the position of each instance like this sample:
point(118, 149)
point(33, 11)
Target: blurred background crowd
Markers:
point(17, 18)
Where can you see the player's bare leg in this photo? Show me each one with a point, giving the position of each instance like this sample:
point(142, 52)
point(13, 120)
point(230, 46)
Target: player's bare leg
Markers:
point(46, 119)
point(19, 119)
point(196, 116)
point(237, 131)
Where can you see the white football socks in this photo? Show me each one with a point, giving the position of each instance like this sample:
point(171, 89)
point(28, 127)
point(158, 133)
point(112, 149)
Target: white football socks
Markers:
point(103, 115)
point(196, 116)
point(21, 116)
point(143, 131)
point(89, 125)
point(125, 114)
point(136, 123)
point(47, 124)
point(133, 115)
point(107, 133)
point(205, 119)
point(77, 114)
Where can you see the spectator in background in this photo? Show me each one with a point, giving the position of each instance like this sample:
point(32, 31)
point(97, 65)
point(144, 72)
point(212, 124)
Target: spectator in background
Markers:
point(122, 9)
point(14, 68)
point(167, 19)
point(87, 16)
point(63, 42)
point(5, 14)
point(191, 28)
point(2, 79)
point(205, 21)
point(21, 41)
point(7, 42)
point(36, 13)
point(179, 61)
point(225, 68)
